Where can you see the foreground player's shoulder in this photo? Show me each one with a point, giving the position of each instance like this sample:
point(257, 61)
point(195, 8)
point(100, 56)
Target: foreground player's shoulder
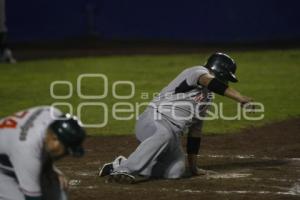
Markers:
point(51, 109)
point(199, 68)
point(45, 112)
point(194, 73)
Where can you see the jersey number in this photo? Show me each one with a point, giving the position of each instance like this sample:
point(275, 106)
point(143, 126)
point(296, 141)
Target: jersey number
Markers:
point(10, 122)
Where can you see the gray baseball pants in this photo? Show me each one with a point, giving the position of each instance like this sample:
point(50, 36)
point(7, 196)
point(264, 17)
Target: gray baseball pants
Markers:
point(160, 153)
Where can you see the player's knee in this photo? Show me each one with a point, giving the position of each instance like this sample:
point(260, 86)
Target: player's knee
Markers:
point(166, 137)
point(177, 171)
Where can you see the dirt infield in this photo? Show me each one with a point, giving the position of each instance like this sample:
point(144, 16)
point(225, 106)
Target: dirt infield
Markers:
point(259, 163)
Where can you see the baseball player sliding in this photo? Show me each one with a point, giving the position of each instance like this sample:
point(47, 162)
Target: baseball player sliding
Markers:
point(180, 107)
point(30, 141)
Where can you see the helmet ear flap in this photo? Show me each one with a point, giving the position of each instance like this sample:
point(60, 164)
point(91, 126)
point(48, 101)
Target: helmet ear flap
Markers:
point(220, 76)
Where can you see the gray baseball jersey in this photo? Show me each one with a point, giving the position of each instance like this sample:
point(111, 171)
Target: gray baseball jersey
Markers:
point(21, 143)
point(184, 101)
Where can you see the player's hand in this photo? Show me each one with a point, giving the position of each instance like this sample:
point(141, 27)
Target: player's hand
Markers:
point(246, 103)
point(244, 100)
point(196, 171)
point(63, 181)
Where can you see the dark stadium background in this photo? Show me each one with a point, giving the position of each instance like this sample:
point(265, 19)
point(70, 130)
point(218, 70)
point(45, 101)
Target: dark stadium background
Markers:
point(205, 22)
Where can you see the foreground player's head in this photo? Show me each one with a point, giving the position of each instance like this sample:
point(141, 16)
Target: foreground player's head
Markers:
point(65, 136)
point(222, 66)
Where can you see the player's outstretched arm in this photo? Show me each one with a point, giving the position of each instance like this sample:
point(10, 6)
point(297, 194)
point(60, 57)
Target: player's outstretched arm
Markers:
point(220, 88)
point(235, 95)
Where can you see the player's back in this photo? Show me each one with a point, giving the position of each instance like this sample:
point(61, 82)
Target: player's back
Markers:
point(186, 81)
point(21, 145)
point(184, 87)
point(180, 101)
point(24, 128)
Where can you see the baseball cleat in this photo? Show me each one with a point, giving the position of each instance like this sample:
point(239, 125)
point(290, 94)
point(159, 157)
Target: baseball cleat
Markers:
point(121, 177)
point(117, 162)
point(106, 169)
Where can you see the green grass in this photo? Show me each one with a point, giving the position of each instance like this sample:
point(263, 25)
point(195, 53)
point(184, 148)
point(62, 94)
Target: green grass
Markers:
point(270, 77)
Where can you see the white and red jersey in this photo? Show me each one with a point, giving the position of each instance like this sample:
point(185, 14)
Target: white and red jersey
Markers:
point(21, 144)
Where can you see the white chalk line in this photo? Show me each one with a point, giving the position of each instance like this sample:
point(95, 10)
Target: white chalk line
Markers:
point(227, 156)
point(275, 179)
point(294, 191)
point(243, 176)
point(247, 157)
point(223, 176)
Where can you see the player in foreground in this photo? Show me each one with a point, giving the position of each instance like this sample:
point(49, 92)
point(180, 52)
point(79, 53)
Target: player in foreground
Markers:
point(30, 141)
point(179, 108)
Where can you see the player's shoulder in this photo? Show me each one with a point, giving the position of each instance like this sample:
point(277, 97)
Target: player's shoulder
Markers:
point(45, 109)
point(197, 68)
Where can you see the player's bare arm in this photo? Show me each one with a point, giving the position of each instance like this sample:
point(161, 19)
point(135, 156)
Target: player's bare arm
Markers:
point(193, 146)
point(207, 81)
point(63, 181)
point(194, 139)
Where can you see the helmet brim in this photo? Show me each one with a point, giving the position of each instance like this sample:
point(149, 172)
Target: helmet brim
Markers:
point(76, 151)
point(232, 77)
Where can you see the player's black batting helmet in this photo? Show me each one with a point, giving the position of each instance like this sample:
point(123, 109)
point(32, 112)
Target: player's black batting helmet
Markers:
point(70, 133)
point(222, 66)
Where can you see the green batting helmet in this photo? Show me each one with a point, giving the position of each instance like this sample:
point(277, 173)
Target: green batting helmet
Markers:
point(70, 133)
point(223, 67)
